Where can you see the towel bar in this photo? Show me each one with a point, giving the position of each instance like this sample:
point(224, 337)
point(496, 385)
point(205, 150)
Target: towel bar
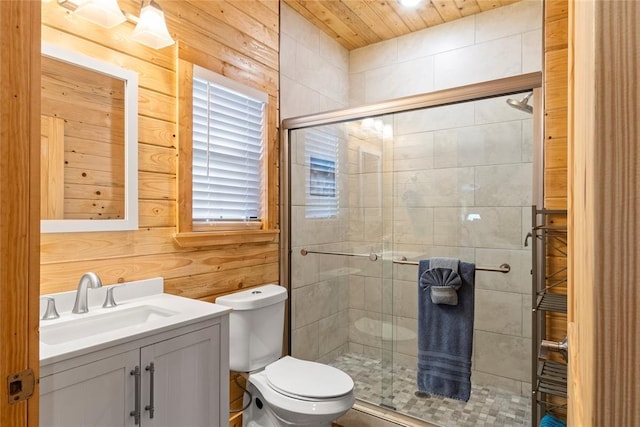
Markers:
point(504, 268)
point(371, 256)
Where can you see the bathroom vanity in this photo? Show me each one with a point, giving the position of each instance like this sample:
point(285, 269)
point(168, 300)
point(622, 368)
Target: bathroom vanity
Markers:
point(153, 360)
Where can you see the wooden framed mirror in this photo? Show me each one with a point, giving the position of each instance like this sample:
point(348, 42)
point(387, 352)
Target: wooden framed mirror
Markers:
point(89, 141)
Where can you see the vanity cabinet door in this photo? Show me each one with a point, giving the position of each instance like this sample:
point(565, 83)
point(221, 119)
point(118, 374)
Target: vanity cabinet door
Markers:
point(181, 380)
point(101, 393)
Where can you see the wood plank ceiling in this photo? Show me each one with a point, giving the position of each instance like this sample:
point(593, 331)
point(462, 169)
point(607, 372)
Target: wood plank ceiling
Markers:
point(358, 23)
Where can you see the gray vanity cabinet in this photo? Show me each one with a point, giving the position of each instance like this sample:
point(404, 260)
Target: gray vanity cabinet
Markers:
point(170, 379)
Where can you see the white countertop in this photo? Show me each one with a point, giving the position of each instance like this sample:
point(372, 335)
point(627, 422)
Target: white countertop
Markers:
point(143, 309)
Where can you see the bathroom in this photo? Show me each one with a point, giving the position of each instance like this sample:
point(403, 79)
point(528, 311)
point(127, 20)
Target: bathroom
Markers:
point(303, 71)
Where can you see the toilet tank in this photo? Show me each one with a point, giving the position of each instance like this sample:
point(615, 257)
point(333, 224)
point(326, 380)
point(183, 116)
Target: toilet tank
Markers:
point(256, 326)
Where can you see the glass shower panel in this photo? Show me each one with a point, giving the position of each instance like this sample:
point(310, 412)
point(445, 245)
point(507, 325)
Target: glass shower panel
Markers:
point(462, 189)
point(373, 196)
point(339, 291)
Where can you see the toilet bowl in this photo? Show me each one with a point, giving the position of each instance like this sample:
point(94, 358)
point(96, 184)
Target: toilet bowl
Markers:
point(284, 391)
point(293, 392)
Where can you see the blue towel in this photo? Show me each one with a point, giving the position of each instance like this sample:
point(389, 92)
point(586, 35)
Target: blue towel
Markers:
point(551, 421)
point(445, 338)
point(443, 280)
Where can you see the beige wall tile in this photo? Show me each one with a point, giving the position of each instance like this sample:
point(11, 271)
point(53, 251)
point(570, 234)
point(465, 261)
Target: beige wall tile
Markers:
point(504, 185)
point(435, 187)
point(478, 63)
point(447, 117)
point(333, 332)
point(406, 336)
point(512, 385)
point(531, 51)
point(517, 280)
point(478, 227)
point(496, 110)
point(487, 144)
point(502, 355)
point(437, 39)
point(304, 342)
point(509, 20)
point(499, 312)
point(373, 56)
point(405, 302)
point(400, 79)
point(413, 152)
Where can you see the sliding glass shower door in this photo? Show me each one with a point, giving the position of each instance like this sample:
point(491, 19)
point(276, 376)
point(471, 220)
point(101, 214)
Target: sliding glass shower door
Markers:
point(341, 284)
point(369, 198)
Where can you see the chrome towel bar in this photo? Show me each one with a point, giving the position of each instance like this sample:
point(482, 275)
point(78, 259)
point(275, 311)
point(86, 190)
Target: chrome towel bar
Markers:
point(503, 268)
point(372, 256)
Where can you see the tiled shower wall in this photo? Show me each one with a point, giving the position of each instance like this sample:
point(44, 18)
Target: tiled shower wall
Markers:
point(428, 215)
point(450, 166)
point(456, 182)
point(503, 42)
point(314, 77)
point(319, 283)
point(314, 69)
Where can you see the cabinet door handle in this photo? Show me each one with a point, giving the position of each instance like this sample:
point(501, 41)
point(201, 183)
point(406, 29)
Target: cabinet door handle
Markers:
point(150, 407)
point(136, 412)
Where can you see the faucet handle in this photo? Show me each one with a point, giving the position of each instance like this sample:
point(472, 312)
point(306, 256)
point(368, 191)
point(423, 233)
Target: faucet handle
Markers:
point(109, 301)
point(50, 312)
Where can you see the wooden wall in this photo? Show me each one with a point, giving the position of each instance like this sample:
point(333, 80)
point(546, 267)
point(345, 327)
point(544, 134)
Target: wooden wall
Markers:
point(605, 213)
point(82, 143)
point(243, 38)
point(20, 204)
point(555, 103)
point(555, 155)
point(242, 41)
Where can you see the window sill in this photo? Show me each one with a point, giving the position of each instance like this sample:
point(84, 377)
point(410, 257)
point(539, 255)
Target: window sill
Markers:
point(196, 239)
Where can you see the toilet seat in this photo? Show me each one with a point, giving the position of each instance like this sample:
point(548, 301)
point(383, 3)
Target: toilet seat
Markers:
point(306, 380)
point(295, 411)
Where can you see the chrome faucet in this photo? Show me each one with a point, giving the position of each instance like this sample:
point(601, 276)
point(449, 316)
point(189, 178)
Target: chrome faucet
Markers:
point(50, 312)
point(88, 280)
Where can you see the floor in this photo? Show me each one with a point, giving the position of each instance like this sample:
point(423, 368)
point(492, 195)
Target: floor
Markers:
point(488, 406)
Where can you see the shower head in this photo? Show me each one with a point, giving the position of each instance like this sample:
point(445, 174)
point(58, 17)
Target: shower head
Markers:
point(523, 104)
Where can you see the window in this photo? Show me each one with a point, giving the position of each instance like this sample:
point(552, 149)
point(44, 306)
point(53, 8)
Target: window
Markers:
point(228, 139)
point(227, 176)
point(321, 148)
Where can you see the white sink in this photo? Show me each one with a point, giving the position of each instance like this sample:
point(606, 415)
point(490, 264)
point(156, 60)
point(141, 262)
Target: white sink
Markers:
point(108, 321)
point(143, 310)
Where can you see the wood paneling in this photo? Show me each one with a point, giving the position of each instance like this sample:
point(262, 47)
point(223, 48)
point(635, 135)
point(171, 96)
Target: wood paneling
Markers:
point(581, 297)
point(188, 58)
point(555, 150)
point(241, 42)
point(604, 135)
point(52, 167)
point(82, 143)
point(358, 23)
point(20, 202)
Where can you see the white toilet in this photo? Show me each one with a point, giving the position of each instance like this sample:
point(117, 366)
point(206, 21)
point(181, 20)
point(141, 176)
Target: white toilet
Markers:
point(286, 391)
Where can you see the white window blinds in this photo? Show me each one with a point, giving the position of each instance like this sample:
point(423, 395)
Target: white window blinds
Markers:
point(228, 139)
point(321, 149)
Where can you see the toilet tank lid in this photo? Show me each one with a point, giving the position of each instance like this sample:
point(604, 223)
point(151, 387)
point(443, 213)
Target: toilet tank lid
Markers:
point(258, 297)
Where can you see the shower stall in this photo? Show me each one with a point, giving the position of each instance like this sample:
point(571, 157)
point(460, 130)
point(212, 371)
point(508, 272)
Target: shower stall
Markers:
point(370, 191)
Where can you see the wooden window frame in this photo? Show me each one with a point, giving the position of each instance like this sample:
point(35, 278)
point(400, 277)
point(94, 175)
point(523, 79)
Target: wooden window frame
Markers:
point(187, 233)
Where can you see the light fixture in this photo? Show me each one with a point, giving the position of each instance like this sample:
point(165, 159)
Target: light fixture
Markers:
point(409, 3)
point(105, 13)
point(151, 29)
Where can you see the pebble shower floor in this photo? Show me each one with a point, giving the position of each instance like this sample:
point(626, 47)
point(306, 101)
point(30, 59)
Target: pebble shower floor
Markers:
point(487, 406)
